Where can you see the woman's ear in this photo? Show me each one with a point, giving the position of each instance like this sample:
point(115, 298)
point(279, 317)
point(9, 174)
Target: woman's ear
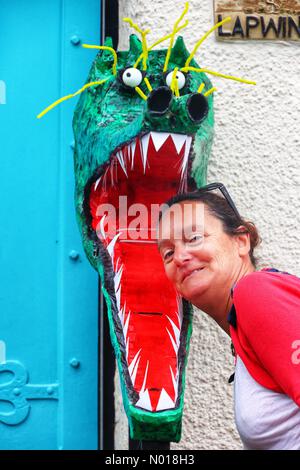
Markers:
point(242, 238)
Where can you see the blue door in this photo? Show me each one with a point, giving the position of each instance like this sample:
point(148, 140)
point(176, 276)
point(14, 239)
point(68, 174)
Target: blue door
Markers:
point(48, 291)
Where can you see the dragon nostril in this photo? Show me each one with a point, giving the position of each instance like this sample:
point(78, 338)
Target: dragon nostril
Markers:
point(197, 107)
point(159, 100)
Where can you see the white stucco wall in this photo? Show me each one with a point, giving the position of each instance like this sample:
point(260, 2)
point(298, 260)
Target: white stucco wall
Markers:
point(256, 154)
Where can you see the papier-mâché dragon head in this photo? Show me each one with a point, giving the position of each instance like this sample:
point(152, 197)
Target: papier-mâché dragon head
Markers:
point(143, 131)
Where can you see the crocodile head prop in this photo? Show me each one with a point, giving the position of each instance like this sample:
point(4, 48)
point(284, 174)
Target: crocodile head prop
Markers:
point(143, 132)
point(131, 155)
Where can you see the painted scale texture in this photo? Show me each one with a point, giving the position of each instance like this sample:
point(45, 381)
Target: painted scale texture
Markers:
point(105, 119)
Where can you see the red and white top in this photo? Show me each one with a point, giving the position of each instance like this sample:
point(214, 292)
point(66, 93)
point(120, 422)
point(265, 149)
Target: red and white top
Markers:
point(265, 420)
point(265, 331)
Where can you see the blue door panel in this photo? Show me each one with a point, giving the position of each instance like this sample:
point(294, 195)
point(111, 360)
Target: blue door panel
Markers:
point(48, 293)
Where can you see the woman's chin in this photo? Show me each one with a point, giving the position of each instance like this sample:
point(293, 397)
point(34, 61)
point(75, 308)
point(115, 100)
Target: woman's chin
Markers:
point(194, 287)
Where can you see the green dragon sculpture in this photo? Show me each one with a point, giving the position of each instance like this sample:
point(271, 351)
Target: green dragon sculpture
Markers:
point(143, 131)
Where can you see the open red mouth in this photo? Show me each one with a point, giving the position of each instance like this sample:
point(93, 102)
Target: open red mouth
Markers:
point(149, 317)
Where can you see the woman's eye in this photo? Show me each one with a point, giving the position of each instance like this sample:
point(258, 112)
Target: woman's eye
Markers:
point(195, 239)
point(180, 79)
point(167, 255)
point(132, 77)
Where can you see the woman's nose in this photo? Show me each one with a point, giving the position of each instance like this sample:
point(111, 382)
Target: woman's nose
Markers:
point(181, 255)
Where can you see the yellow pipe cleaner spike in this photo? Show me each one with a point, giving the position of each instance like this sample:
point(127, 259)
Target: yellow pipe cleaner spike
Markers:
point(144, 42)
point(186, 7)
point(209, 92)
point(187, 63)
point(164, 38)
point(174, 83)
point(148, 84)
point(217, 74)
point(141, 93)
point(105, 48)
point(67, 97)
point(200, 89)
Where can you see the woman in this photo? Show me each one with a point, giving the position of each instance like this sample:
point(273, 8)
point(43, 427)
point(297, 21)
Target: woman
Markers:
point(208, 253)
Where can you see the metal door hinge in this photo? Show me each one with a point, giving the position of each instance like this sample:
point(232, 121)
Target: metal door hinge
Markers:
point(18, 391)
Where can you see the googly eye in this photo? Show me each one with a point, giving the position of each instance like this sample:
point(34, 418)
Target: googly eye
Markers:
point(180, 79)
point(132, 77)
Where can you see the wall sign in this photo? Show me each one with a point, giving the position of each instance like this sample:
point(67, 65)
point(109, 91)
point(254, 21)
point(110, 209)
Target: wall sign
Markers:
point(258, 19)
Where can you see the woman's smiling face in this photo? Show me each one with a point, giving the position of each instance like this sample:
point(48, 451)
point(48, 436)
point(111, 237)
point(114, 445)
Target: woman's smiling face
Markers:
point(198, 256)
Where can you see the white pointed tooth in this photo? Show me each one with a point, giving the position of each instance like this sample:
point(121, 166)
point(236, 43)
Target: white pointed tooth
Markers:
point(144, 149)
point(120, 157)
point(117, 278)
point(184, 165)
point(132, 149)
point(145, 379)
point(144, 401)
point(175, 383)
point(165, 402)
point(121, 315)
point(126, 325)
point(97, 183)
point(111, 246)
point(133, 377)
point(159, 139)
point(118, 298)
point(173, 342)
point(133, 362)
point(175, 329)
point(127, 348)
point(102, 227)
point(188, 143)
point(178, 140)
point(186, 154)
point(183, 184)
point(184, 161)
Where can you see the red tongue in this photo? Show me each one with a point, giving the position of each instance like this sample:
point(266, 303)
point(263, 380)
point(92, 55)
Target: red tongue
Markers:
point(150, 315)
point(150, 300)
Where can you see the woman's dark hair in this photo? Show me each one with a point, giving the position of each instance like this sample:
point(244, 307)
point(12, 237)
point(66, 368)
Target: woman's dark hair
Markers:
point(219, 207)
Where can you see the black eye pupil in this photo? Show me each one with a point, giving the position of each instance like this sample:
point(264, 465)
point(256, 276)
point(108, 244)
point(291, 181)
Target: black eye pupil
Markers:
point(128, 74)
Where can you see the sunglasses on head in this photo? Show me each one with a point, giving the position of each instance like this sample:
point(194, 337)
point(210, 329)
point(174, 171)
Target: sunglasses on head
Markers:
point(221, 187)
